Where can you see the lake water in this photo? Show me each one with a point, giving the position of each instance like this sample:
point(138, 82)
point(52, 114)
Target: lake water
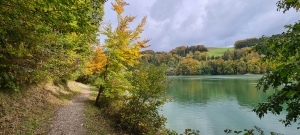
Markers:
point(214, 103)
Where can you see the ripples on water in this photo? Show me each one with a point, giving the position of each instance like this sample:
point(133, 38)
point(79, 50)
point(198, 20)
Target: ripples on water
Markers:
point(214, 103)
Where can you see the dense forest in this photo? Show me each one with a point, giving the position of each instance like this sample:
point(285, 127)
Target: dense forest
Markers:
point(44, 40)
point(194, 60)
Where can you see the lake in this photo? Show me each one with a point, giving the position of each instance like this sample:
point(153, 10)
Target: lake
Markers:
point(212, 104)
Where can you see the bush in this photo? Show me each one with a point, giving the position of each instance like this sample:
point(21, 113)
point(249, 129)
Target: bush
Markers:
point(148, 92)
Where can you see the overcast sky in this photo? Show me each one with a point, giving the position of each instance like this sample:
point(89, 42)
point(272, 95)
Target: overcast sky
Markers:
point(213, 23)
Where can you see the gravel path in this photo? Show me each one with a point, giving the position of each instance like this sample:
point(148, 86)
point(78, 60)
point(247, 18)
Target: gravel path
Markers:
point(70, 118)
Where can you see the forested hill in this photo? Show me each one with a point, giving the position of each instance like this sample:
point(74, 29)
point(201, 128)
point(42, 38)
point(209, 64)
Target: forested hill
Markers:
point(199, 60)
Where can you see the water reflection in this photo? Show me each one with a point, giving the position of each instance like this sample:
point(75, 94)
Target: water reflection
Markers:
point(195, 89)
point(214, 103)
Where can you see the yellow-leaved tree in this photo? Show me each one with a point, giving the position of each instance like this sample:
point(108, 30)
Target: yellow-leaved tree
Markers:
point(119, 52)
point(130, 92)
point(96, 64)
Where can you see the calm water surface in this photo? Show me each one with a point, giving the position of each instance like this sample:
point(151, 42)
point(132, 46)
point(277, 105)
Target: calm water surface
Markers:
point(214, 103)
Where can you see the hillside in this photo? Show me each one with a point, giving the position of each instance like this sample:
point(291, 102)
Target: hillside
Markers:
point(31, 111)
point(218, 51)
point(200, 60)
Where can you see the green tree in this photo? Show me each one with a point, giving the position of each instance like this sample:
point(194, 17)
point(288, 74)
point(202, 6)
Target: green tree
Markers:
point(284, 51)
point(140, 114)
point(245, 43)
point(42, 39)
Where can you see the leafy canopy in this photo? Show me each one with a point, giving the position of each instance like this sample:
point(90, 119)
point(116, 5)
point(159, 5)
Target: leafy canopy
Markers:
point(45, 39)
point(130, 91)
point(284, 51)
point(120, 52)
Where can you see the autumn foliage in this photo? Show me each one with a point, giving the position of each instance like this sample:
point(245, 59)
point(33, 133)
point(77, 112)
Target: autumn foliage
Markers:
point(129, 91)
point(181, 62)
point(98, 62)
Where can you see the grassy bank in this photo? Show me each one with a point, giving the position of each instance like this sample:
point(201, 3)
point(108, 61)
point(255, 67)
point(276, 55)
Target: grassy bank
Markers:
point(30, 111)
point(218, 51)
point(96, 122)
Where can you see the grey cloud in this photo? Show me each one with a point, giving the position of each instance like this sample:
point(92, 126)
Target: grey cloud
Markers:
point(160, 11)
point(228, 21)
point(213, 23)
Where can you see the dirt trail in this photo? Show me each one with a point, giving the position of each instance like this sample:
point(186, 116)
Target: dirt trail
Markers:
point(70, 117)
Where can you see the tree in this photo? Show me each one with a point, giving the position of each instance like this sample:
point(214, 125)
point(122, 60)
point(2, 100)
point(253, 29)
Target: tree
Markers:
point(284, 52)
point(188, 67)
point(228, 55)
point(42, 39)
point(148, 92)
point(132, 92)
point(121, 49)
point(245, 43)
point(181, 51)
point(98, 62)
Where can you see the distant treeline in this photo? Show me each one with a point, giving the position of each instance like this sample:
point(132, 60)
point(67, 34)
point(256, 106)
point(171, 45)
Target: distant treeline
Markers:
point(194, 60)
point(246, 43)
point(251, 41)
point(181, 50)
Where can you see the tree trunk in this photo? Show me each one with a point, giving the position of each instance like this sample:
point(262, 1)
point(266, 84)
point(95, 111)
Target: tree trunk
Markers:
point(101, 89)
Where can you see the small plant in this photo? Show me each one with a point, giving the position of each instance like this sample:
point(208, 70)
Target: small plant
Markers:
point(186, 132)
point(191, 132)
point(249, 131)
point(30, 126)
point(246, 132)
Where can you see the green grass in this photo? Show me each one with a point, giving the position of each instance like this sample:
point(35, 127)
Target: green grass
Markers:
point(96, 122)
point(218, 51)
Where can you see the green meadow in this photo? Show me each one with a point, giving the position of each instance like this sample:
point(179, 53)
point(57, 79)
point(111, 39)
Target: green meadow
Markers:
point(218, 51)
